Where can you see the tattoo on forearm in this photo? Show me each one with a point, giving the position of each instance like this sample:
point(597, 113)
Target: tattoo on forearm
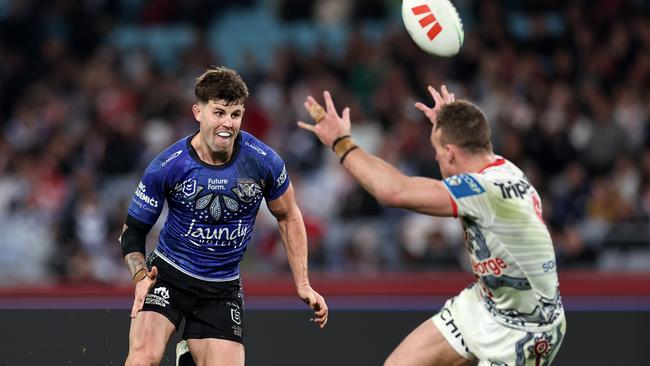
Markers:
point(135, 261)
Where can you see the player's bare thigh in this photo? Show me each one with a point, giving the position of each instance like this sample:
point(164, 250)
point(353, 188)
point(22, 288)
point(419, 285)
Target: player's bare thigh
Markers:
point(148, 337)
point(425, 346)
point(216, 352)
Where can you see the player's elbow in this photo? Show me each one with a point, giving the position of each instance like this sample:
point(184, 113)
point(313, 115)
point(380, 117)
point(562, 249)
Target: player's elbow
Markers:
point(388, 198)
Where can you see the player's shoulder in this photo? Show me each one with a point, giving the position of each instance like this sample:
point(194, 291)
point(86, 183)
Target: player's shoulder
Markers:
point(173, 153)
point(486, 181)
point(501, 171)
point(254, 147)
point(506, 181)
point(465, 185)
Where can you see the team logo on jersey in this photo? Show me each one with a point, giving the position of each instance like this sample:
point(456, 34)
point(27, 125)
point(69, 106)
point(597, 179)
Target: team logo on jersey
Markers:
point(463, 185)
point(247, 189)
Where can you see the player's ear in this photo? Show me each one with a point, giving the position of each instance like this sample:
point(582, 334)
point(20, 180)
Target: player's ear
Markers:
point(451, 153)
point(196, 109)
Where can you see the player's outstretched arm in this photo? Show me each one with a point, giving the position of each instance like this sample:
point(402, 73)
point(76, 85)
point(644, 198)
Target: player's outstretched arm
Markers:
point(294, 238)
point(382, 180)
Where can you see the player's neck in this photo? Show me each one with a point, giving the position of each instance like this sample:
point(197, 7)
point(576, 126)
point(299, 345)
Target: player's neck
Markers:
point(207, 155)
point(476, 163)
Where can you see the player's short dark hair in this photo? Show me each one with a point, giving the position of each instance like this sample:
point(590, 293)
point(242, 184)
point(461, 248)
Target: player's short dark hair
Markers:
point(221, 83)
point(464, 125)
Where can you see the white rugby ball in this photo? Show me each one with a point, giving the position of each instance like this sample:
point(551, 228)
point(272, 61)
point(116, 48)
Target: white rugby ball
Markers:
point(434, 25)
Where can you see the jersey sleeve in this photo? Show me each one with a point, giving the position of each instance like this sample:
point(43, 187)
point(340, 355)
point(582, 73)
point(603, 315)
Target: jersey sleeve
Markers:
point(470, 196)
point(277, 180)
point(149, 196)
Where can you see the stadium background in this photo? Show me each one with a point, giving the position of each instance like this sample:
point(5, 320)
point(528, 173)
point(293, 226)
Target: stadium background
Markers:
point(91, 90)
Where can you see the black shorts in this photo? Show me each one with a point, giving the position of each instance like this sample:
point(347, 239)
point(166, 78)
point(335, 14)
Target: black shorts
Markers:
point(210, 309)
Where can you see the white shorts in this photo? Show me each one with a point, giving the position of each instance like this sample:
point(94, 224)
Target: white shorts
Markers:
point(474, 334)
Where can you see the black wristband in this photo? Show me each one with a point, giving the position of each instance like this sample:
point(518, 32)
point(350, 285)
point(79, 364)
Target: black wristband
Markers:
point(347, 152)
point(134, 238)
point(339, 139)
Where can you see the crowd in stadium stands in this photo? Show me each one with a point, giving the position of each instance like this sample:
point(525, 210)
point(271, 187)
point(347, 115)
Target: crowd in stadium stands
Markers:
point(90, 91)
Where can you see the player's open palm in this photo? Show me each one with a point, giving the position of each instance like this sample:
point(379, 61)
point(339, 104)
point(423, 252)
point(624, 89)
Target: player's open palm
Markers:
point(328, 124)
point(316, 302)
point(440, 98)
point(142, 287)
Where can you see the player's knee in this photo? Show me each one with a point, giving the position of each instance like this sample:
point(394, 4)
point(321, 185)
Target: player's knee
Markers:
point(144, 357)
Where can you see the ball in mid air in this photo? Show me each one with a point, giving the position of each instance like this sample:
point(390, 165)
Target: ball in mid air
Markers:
point(434, 25)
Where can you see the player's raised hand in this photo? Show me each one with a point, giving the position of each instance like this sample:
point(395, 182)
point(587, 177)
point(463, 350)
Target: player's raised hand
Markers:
point(440, 98)
point(142, 287)
point(328, 124)
point(316, 302)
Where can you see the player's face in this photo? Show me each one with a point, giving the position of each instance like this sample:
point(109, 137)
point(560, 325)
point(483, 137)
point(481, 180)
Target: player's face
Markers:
point(443, 154)
point(219, 124)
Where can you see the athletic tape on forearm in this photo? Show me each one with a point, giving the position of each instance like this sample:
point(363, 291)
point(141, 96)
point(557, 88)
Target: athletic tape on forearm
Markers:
point(139, 275)
point(342, 146)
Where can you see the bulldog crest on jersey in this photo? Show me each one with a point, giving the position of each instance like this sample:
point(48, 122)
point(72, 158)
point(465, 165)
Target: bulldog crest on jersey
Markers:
point(247, 189)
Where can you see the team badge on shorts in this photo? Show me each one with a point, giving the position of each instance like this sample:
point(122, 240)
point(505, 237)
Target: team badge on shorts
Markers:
point(158, 297)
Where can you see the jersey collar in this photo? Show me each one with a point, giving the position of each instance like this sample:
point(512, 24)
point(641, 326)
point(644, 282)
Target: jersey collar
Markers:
point(499, 161)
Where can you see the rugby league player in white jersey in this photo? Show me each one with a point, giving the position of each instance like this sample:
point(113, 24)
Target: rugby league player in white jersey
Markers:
point(512, 314)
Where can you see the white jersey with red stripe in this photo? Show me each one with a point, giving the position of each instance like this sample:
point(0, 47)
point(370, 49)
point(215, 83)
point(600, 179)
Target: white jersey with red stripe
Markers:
point(510, 247)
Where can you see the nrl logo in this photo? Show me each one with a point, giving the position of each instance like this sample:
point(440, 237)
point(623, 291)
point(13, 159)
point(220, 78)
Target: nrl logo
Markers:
point(235, 315)
point(189, 188)
point(247, 189)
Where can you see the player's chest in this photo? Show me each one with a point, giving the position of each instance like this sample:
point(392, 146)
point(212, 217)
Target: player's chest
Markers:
point(217, 198)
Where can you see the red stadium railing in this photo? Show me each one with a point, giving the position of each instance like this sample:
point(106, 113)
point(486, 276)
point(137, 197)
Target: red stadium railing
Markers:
point(410, 290)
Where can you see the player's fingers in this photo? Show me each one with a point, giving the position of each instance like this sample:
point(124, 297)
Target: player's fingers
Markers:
point(153, 274)
point(436, 96)
point(322, 325)
point(311, 103)
point(444, 92)
point(422, 107)
point(321, 308)
point(313, 304)
point(346, 114)
point(319, 318)
point(329, 103)
point(137, 305)
point(306, 126)
point(453, 97)
point(315, 110)
point(311, 100)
